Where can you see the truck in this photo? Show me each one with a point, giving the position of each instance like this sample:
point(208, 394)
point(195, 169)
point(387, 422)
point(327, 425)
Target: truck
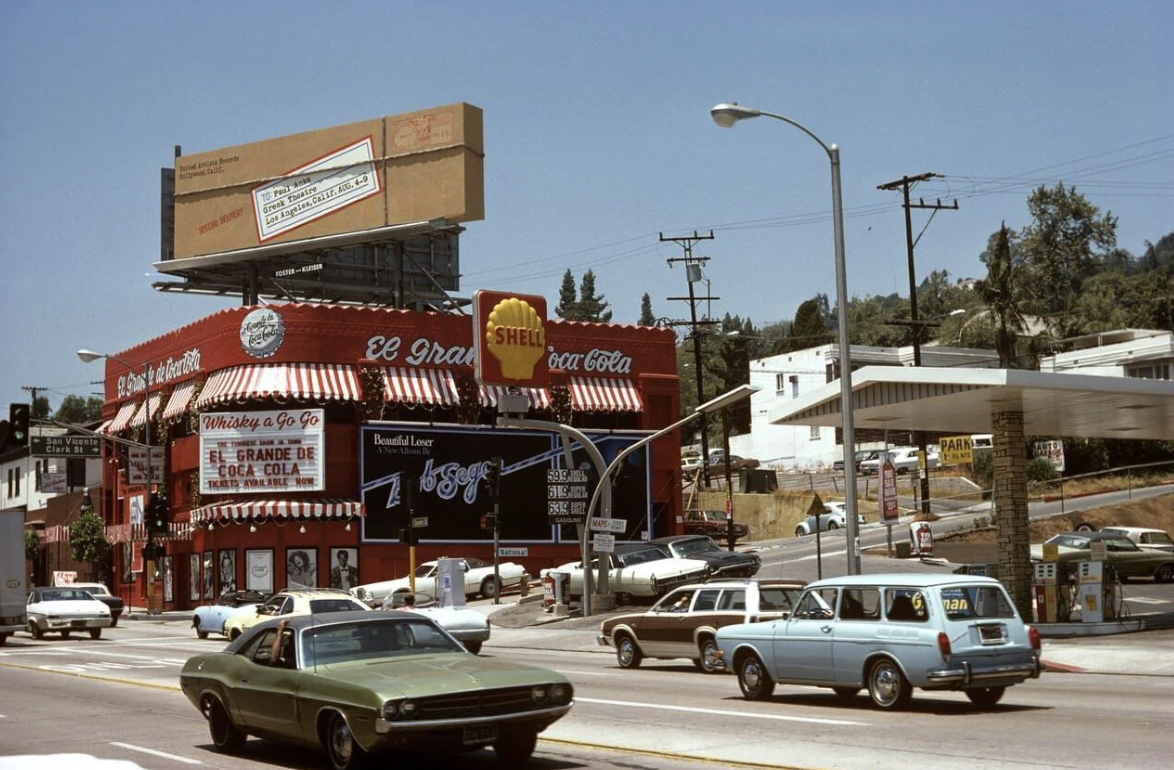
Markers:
point(14, 589)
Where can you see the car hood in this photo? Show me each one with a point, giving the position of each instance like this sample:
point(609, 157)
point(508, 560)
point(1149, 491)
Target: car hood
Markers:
point(419, 676)
point(70, 607)
point(717, 559)
point(662, 567)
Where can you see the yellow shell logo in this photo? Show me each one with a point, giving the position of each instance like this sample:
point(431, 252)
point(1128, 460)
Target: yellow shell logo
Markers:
point(515, 337)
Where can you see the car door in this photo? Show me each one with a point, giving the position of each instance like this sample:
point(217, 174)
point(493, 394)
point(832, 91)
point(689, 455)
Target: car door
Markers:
point(667, 630)
point(264, 694)
point(803, 644)
point(855, 634)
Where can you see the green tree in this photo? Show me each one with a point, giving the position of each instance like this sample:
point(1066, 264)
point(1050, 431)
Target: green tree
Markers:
point(810, 327)
point(40, 408)
point(32, 545)
point(568, 304)
point(1001, 294)
point(87, 540)
point(79, 411)
point(646, 316)
point(592, 306)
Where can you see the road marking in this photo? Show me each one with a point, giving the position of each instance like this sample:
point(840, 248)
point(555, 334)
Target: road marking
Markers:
point(1146, 600)
point(153, 752)
point(586, 673)
point(745, 714)
point(812, 557)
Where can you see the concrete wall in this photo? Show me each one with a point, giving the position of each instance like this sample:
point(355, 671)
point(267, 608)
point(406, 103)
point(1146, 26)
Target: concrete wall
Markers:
point(769, 516)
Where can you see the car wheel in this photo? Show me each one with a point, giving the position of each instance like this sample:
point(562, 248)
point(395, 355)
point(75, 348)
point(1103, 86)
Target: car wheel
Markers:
point(1084, 526)
point(755, 682)
point(473, 647)
point(341, 748)
point(800, 532)
point(628, 655)
point(985, 697)
point(832, 525)
point(1165, 573)
point(514, 747)
point(226, 737)
point(490, 588)
point(887, 686)
point(114, 621)
point(623, 597)
point(201, 633)
point(95, 633)
point(4, 639)
point(65, 634)
point(845, 693)
point(233, 634)
point(35, 630)
point(709, 661)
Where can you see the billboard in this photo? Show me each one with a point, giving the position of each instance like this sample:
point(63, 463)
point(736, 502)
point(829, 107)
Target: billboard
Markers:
point(447, 464)
point(398, 169)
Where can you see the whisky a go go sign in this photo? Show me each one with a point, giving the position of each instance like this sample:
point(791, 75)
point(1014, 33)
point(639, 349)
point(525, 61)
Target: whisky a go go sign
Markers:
point(263, 452)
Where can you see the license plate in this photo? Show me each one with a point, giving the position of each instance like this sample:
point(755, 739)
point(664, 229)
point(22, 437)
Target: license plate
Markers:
point(991, 634)
point(78, 623)
point(479, 735)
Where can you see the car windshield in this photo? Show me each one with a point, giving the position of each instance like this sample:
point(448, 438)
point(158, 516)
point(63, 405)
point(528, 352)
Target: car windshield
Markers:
point(369, 640)
point(975, 602)
point(1069, 541)
point(641, 557)
point(97, 590)
point(424, 570)
point(65, 595)
point(334, 605)
point(694, 545)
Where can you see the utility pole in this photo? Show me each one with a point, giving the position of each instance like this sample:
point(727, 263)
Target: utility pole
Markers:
point(29, 481)
point(693, 275)
point(904, 184)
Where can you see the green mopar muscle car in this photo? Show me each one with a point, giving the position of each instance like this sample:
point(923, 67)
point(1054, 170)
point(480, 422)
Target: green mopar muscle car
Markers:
point(358, 683)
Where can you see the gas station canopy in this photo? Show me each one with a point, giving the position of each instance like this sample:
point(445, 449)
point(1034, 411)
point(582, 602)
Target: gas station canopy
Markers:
point(964, 401)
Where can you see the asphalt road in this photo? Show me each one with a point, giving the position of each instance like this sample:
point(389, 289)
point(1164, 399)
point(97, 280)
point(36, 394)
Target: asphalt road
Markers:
point(118, 698)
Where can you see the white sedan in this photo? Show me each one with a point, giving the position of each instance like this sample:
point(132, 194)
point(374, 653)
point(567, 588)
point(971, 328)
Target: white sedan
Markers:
point(478, 580)
point(834, 516)
point(644, 571)
point(469, 627)
point(64, 609)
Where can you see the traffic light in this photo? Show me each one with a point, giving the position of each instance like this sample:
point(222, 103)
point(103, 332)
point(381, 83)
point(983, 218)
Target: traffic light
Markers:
point(488, 522)
point(18, 421)
point(491, 479)
point(408, 536)
point(158, 516)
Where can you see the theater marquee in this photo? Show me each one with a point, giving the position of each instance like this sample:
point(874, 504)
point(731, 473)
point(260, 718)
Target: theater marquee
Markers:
point(263, 452)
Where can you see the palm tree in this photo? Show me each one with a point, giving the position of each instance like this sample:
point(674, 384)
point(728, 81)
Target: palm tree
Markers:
point(1004, 295)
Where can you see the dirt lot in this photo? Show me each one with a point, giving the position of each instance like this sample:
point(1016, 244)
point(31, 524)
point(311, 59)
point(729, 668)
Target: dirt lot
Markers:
point(1157, 513)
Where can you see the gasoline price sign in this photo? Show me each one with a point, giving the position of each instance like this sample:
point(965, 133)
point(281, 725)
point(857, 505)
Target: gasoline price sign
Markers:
point(566, 495)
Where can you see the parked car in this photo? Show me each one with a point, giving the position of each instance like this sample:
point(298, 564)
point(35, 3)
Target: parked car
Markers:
point(712, 523)
point(65, 609)
point(717, 462)
point(690, 462)
point(1146, 539)
point(889, 634)
point(100, 592)
point(362, 683)
point(469, 627)
point(683, 623)
point(834, 516)
point(638, 571)
point(861, 456)
point(722, 562)
point(303, 601)
point(904, 460)
point(210, 618)
point(478, 580)
point(1121, 553)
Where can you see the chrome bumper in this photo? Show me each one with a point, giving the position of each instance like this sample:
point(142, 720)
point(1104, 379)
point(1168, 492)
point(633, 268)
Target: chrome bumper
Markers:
point(967, 674)
point(383, 727)
point(602, 640)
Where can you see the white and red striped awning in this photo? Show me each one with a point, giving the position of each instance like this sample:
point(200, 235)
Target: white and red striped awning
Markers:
point(103, 428)
point(140, 417)
point(605, 394)
point(335, 382)
point(420, 387)
point(539, 397)
point(178, 403)
point(122, 419)
point(256, 510)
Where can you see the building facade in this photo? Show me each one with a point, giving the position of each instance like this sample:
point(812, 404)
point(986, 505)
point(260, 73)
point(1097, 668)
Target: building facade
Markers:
point(1143, 353)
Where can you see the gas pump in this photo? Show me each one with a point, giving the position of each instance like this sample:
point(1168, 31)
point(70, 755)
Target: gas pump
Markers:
point(1047, 593)
point(1089, 591)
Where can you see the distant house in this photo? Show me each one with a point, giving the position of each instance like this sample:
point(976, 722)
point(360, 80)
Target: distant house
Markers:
point(1143, 353)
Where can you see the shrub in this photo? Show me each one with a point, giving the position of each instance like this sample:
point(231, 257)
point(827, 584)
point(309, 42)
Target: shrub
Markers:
point(1041, 469)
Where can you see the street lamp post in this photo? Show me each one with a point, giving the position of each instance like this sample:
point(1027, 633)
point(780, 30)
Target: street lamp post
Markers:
point(726, 115)
point(88, 356)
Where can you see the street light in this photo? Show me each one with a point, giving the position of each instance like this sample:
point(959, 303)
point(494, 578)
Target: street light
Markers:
point(726, 115)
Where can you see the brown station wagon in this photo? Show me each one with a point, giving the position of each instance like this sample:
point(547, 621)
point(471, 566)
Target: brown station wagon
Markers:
point(683, 623)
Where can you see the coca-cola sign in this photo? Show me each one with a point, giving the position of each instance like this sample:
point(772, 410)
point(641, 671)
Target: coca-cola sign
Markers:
point(425, 351)
point(262, 332)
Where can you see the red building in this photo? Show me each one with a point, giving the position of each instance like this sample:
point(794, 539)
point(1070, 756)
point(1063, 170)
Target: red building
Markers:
point(290, 433)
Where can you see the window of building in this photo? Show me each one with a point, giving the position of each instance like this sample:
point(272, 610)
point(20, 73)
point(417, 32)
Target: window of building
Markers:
point(794, 386)
point(39, 470)
point(16, 486)
point(1149, 372)
point(780, 382)
point(814, 435)
point(10, 482)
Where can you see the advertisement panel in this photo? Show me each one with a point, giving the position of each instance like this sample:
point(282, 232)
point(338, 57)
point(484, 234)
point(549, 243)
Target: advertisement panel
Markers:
point(956, 450)
point(262, 452)
point(449, 462)
point(509, 339)
point(397, 169)
point(1052, 451)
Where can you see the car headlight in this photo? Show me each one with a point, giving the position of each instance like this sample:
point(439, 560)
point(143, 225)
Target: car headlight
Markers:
point(408, 709)
point(560, 693)
point(390, 710)
point(538, 694)
point(393, 709)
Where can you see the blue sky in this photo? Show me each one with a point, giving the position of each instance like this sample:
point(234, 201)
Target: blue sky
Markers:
point(597, 138)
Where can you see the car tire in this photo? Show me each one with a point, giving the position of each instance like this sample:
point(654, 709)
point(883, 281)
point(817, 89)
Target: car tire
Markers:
point(227, 738)
point(343, 751)
point(201, 633)
point(845, 693)
point(1165, 574)
point(887, 686)
point(708, 662)
point(628, 653)
point(515, 747)
point(754, 680)
point(233, 634)
point(473, 647)
point(623, 598)
point(4, 639)
point(490, 588)
point(832, 525)
point(985, 697)
point(1084, 526)
point(114, 621)
point(35, 630)
point(65, 634)
point(800, 532)
point(95, 633)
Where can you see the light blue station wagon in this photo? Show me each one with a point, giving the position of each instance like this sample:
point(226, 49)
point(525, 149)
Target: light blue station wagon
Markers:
point(889, 634)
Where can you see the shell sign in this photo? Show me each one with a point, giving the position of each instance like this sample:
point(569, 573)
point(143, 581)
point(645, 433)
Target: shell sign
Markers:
point(509, 338)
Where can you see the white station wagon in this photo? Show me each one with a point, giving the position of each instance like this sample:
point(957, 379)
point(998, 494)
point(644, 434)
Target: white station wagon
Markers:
point(889, 634)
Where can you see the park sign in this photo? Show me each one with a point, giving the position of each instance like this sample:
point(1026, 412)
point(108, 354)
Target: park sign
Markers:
point(956, 450)
point(66, 446)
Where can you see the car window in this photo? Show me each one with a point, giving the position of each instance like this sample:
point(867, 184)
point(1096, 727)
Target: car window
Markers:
point(263, 646)
point(1157, 538)
point(334, 605)
point(272, 606)
point(816, 603)
point(964, 603)
point(686, 548)
point(641, 557)
point(733, 599)
point(777, 599)
point(1120, 544)
point(905, 604)
point(706, 600)
point(680, 602)
point(860, 604)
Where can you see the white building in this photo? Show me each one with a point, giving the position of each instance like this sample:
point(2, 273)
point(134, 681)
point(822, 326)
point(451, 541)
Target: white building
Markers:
point(788, 376)
point(1143, 353)
point(25, 481)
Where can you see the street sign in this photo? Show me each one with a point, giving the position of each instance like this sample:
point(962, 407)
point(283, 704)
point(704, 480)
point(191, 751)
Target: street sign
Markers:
point(956, 450)
point(513, 553)
point(889, 512)
point(419, 522)
point(618, 526)
point(66, 446)
point(566, 495)
point(604, 543)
